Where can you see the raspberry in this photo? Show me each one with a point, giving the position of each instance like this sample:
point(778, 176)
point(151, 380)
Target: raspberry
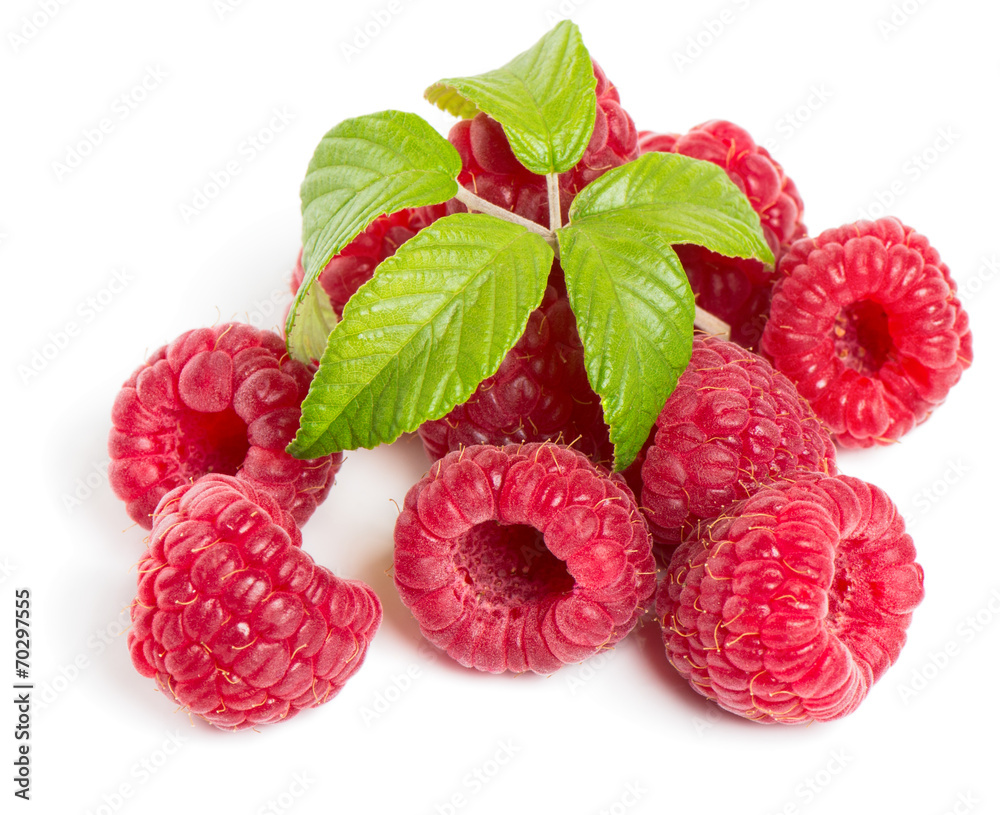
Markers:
point(355, 264)
point(794, 602)
point(236, 622)
point(771, 193)
point(539, 393)
point(735, 290)
point(523, 557)
point(732, 424)
point(491, 171)
point(865, 321)
point(215, 400)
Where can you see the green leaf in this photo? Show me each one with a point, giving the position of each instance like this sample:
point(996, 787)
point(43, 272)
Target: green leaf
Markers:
point(635, 313)
point(631, 297)
point(685, 200)
point(543, 98)
point(418, 338)
point(314, 320)
point(363, 168)
point(450, 100)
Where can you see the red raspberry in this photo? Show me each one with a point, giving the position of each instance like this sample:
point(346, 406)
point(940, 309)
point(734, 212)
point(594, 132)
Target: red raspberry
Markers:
point(233, 620)
point(539, 393)
point(215, 400)
point(732, 424)
point(794, 602)
point(354, 266)
point(524, 557)
point(491, 171)
point(735, 290)
point(865, 321)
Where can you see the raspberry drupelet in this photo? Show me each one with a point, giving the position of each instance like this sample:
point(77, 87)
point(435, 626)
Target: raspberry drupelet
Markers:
point(233, 620)
point(522, 557)
point(215, 400)
point(732, 424)
point(793, 603)
point(865, 320)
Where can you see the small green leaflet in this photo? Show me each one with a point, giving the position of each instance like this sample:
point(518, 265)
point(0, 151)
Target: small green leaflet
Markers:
point(635, 313)
point(543, 98)
point(363, 168)
point(418, 338)
point(685, 199)
point(450, 100)
point(631, 297)
point(314, 320)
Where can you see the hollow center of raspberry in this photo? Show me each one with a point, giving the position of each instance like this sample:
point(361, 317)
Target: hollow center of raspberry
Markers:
point(211, 443)
point(846, 595)
point(861, 336)
point(510, 565)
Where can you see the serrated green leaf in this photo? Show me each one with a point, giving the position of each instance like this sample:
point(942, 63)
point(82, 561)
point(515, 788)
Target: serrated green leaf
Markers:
point(451, 101)
point(635, 313)
point(685, 200)
point(363, 168)
point(315, 320)
point(543, 98)
point(418, 338)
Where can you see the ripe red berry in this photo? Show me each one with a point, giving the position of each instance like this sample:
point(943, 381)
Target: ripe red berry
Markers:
point(522, 558)
point(354, 266)
point(866, 322)
point(736, 290)
point(789, 606)
point(215, 400)
point(732, 424)
point(232, 619)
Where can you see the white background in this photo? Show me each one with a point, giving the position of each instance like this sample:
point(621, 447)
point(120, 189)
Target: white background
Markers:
point(862, 101)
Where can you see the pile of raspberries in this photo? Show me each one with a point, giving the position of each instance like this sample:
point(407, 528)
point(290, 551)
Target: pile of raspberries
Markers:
point(785, 587)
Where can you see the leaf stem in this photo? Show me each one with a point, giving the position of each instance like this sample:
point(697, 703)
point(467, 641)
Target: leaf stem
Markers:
point(555, 207)
point(710, 324)
point(477, 204)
